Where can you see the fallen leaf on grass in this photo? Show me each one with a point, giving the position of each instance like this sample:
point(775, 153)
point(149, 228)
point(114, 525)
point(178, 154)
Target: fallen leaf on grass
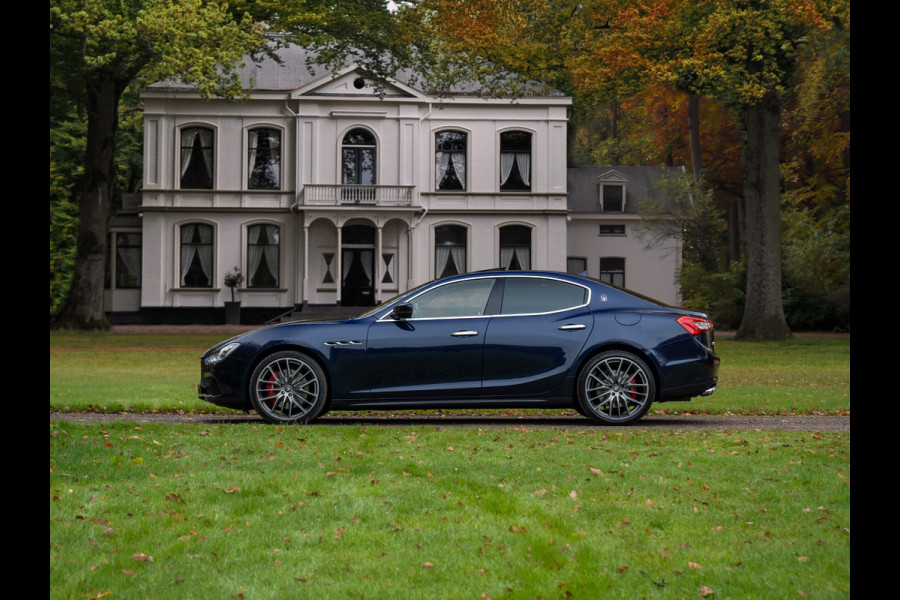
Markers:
point(140, 556)
point(705, 591)
point(428, 565)
point(232, 490)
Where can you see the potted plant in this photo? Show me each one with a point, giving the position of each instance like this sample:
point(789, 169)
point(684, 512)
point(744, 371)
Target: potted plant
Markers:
point(233, 279)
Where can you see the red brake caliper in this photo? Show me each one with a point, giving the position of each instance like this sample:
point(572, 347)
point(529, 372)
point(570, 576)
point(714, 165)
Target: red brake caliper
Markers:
point(271, 386)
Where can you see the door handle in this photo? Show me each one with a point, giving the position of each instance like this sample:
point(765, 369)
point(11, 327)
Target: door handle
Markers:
point(571, 327)
point(467, 333)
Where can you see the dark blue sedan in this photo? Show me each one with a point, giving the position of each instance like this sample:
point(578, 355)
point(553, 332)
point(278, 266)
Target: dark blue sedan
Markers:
point(496, 339)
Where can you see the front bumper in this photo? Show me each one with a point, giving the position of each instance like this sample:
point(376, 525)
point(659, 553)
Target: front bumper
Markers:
point(219, 390)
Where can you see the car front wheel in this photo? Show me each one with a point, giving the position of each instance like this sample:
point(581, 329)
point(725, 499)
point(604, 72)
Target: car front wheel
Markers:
point(288, 387)
point(615, 388)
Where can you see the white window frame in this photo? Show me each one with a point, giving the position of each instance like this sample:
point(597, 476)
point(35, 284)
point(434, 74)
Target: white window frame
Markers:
point(215, 254)
point(245, 255)
point(215, 154)
point(248, 168)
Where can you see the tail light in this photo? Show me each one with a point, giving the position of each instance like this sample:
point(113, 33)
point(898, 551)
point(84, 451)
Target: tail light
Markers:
point(695, 325)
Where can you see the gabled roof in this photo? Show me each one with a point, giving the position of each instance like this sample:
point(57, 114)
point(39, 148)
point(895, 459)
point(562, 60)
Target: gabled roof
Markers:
point(583, 185)
point(295, 72)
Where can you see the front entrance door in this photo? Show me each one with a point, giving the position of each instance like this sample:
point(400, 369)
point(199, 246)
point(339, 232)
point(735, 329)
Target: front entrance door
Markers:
point(358, 286)
point(358, 266)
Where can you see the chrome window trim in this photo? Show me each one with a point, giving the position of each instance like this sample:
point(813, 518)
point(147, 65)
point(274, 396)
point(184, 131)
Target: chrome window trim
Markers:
point(387, 316)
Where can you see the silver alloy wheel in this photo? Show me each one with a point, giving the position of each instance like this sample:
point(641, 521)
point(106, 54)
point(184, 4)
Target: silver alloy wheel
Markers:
point(287, 388)
point(617, 388)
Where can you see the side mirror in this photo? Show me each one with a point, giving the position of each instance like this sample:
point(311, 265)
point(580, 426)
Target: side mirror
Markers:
point(402, 311)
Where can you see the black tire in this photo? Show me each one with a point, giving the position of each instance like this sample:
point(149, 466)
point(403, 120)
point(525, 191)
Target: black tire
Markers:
point(615, 388)
point(288, 387)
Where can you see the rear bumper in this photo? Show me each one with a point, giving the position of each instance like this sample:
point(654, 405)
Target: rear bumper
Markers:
point(692, 370)
point(705, 388)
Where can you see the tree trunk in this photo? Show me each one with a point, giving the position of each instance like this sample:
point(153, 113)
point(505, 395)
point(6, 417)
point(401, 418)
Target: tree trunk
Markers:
point(764, 309)
point(84, 305)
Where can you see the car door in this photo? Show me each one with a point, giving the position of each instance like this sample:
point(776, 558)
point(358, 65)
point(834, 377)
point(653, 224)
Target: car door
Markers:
point(435, 353)
point(539, 332)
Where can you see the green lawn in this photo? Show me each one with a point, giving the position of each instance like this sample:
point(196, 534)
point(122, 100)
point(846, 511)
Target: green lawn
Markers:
point(141, 372)
point(257, 511)
point(252, 511)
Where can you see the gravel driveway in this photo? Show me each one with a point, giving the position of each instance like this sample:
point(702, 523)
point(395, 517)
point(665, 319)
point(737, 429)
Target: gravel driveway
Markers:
point(693, 422)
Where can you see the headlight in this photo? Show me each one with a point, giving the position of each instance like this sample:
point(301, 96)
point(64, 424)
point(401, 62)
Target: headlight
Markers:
point(221, 353)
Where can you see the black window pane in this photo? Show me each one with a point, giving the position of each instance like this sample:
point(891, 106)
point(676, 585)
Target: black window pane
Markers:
point(450, 160)
point(263, 255)
point(196, 255)
point(197, 158)
point(613, 198)
point(450, 235)
point(359, 137)
point(449, 250)
point(515, 141)
point(612, 270)
point(515, 161)
point(128, 260)
point(265, 159)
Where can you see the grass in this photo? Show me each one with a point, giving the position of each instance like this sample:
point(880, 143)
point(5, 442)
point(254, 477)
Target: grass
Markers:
point(255, 511)
point(150, 372)
point(252, 511)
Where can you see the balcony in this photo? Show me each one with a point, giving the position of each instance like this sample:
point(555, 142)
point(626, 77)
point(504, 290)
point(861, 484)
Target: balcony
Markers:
point(357, 195)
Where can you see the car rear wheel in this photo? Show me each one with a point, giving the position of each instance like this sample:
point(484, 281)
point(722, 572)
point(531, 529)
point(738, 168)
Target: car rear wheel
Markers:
point(288, 387)
point(615, 388)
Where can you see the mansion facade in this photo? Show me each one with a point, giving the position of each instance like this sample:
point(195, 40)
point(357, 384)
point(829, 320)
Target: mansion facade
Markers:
point(325, 190)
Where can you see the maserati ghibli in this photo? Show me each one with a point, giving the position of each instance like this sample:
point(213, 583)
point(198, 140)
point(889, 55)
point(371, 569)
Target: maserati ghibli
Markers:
point(493, 339)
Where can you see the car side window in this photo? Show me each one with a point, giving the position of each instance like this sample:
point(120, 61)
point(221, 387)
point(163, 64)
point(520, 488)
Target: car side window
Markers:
point(459, 299)
point(534, 295)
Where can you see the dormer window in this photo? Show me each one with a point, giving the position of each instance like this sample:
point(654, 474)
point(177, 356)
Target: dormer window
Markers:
point(612, 197)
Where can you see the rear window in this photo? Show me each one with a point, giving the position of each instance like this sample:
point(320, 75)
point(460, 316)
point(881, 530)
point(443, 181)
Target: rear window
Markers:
point(530, 295)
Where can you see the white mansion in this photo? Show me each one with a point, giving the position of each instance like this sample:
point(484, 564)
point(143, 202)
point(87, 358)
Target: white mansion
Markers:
point(325, 191)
